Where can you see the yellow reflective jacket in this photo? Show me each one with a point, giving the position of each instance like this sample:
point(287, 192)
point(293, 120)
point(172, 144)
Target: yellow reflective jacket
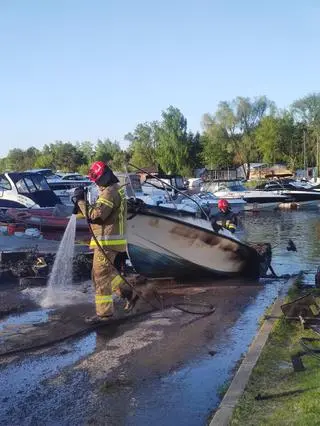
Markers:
point(108, 218)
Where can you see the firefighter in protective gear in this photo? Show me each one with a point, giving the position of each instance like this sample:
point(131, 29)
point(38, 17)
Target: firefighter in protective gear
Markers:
point(108, 222)
point(225, 218)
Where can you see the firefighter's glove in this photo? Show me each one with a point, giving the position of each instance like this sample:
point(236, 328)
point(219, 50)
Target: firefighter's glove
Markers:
point(216, 227)
point(78, 195)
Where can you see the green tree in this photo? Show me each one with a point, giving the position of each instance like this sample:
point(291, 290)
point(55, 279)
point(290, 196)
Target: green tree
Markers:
point(106, 150)
point(3, 164)
point(87, 150)
point(195, 150)
point(307, 109)
point(143, 144)
point(18, 159)
point(239, 119)
point(268, 138)
point(15, 159)
point(291, 135)
point(173, 151)
point(44, 161)
point(118, 162)
point(217, 149)
point(62, 156)
point(307, 112)
point(281, 139)
point(83, 169)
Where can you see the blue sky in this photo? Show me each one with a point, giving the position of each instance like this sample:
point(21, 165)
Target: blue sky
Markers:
point(82, 70)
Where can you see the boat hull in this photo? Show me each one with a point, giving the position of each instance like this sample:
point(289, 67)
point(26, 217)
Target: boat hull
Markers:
point(161, 247)
point(44, 219)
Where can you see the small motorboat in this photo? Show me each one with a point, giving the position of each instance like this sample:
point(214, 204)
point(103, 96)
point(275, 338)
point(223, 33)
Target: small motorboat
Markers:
point(234, 189)
point(298, 192)
point(160, 247)
point(25, 190)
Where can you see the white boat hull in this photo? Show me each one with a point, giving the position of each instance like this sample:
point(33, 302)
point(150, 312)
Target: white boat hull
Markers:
point(160, 246)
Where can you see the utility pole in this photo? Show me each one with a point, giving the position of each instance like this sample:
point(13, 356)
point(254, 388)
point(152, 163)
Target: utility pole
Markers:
point(304, 154)
point(317, 156)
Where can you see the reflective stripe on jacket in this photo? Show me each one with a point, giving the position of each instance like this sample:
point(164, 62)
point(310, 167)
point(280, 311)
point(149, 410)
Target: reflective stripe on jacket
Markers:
point(108, 217)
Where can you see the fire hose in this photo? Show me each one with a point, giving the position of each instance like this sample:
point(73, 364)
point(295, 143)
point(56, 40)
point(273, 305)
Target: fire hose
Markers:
point(209, 308)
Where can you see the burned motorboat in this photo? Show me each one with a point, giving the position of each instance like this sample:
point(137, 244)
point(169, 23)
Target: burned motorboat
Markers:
point(25, 190)
point(160, 247)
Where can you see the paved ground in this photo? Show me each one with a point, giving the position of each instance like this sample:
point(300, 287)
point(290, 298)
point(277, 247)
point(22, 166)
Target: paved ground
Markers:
point(148, 369)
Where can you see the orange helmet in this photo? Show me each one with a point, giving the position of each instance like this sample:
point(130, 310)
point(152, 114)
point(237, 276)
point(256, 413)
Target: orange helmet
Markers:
point(223, 205)
point(97, 169)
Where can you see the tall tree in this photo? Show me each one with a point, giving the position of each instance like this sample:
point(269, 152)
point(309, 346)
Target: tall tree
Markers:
point(195, 150)
point(106, 150)
point(173, 151)
point(19, 159)
point(307, 111)
point(240, 119)
point(217, 150)
point(44, 161)
point(281, 139)
point(3, 164)
point(87, 150)
point(143, 144)
point(268, 139)
point(63, 156)
point(119, 161)
point(15, 159)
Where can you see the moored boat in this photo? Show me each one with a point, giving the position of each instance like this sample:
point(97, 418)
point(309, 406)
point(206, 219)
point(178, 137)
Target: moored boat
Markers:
point(298, 192)
point(234, 189)
point(25, 190)
point(46, 219)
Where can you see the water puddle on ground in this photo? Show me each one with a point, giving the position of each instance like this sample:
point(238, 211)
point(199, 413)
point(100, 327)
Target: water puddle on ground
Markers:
point(28, 318)
point(69, 295)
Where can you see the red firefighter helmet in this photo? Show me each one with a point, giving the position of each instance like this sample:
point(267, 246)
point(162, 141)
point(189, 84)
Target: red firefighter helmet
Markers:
point(97, 169)
point(223, 205)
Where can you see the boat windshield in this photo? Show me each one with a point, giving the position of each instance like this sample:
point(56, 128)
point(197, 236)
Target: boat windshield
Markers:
point(74, 177)
point(4, 183)
point(32, 184)
point(179, 182)
point(237, 187)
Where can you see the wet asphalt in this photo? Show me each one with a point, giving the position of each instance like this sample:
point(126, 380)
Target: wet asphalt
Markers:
point(161, 368)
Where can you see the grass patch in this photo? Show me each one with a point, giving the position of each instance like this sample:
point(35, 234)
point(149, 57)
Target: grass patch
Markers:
point(292, 397)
